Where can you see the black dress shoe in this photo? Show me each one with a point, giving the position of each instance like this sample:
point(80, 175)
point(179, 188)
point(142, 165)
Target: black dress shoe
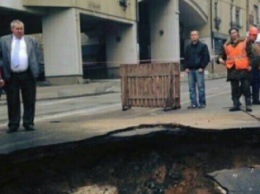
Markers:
point(248, 109)
point(235, 108)
point(12, 130)
point(256, 102)
point(29, 128)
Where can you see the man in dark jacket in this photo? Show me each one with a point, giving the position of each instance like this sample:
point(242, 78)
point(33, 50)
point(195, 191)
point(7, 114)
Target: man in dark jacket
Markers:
point(195, 60)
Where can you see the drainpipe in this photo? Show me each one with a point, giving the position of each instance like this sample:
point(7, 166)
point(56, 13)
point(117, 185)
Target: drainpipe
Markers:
point(247, 14)
point(212, 38)
point(137, 28)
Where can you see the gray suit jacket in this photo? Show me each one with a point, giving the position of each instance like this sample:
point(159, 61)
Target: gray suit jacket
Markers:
point(33, 52)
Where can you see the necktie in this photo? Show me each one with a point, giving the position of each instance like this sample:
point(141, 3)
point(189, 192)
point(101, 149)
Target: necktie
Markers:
point(16, 53)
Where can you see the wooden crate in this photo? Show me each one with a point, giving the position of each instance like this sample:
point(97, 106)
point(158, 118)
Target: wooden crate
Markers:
point(150, 85)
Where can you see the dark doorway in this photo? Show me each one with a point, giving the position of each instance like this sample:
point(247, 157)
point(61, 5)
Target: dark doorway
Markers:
point(33, 23)
point(93, 47)
point(144, 38)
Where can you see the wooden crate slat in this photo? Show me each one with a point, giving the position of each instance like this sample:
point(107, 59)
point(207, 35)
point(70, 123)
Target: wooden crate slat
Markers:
point(150, 85)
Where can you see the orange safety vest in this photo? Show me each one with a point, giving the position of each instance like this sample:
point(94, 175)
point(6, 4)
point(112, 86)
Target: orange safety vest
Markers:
point(237, 56)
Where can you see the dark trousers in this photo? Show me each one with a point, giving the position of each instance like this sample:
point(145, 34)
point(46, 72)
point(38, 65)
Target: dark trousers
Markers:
point(25, 83)
point(239, 87)
point(255, 83)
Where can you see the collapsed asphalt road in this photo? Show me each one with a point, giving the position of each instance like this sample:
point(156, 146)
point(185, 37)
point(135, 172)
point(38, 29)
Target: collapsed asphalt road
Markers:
point(172, 160)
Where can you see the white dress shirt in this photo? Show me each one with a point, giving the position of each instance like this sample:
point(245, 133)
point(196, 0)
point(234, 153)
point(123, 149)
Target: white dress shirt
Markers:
point(23, 56)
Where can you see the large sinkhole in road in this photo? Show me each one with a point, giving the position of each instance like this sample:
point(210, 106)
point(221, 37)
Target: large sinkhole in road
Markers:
point(175, 160)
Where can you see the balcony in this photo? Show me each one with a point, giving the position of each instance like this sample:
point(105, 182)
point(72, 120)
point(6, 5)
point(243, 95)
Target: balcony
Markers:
point(50, 3)
point(194, 12)
point(123, 9)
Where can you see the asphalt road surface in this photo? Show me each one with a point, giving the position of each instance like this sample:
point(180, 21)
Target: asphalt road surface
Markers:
point(74, 107)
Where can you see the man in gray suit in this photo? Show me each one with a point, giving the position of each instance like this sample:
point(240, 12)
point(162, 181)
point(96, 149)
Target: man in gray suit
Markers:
point(21, 57)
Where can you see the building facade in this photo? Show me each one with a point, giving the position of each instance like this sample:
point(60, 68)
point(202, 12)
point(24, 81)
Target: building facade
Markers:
point(241, 14)
point(106, 28)
point(91, 38)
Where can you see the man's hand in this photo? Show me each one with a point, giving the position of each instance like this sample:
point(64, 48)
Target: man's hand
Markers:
point(201, 70)
point(2, 82)
point(187, 70)
point(221, 61)
point(249, 68)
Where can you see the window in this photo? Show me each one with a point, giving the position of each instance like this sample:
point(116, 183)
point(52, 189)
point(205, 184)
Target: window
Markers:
point(217, 14)
point(217, 9)
point(238, 17)
point(232, 15)
point(256, 17)
point(236, 20)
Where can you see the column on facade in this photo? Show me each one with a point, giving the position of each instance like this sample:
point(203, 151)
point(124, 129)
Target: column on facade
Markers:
point(164, 24)
point(62, 46)
point(121, 47)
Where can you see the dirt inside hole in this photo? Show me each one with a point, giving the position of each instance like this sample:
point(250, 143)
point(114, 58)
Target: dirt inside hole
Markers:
point(151, 164)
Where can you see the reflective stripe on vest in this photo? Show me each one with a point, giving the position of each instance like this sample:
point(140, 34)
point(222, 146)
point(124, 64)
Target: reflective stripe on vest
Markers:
point(237, 56)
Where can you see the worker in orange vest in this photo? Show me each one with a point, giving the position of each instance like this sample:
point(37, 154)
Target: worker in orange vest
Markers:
point(235, 55)
point(255, 61)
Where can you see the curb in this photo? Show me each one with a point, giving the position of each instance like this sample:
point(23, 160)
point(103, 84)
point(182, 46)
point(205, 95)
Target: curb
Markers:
point(3, 103)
